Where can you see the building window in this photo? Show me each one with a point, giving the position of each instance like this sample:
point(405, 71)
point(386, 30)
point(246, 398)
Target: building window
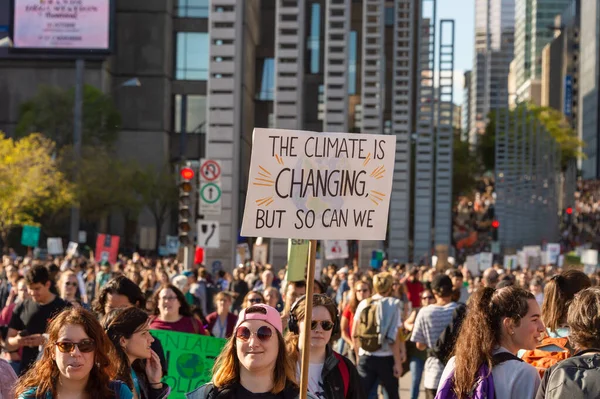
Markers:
point(195, 114)
point(314, 44)
point(267, 81)
point(389, 16)
point(192, 8)
point(352, 50)
point(192, 56)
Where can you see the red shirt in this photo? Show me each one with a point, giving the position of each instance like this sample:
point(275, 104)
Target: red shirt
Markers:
point(349, 314)
point(414, 289)
point(186, 324)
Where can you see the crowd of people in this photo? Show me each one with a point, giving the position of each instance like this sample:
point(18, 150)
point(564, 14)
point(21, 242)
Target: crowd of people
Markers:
point(73, 328)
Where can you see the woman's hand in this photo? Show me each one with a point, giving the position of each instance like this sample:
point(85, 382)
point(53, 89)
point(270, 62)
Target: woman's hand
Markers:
point(153, 369)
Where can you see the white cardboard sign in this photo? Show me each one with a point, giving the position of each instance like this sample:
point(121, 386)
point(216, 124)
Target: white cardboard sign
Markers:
point(307, 185)
point(336, 249)
point(55, 246)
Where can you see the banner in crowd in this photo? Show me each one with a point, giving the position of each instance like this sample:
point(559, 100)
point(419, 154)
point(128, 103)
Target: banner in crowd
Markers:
point(297, 260)
point(336, 249)
point(107, 248)
point(190, 359)
point(30, 236)
point(54, 245)
point(319, 186)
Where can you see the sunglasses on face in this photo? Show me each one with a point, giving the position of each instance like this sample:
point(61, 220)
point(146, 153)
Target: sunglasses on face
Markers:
point(255, 300)
point(325, 325)
point(85, 346)
point(263, 333)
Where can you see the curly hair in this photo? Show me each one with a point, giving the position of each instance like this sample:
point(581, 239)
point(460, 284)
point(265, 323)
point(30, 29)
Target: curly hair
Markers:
point(44, 373)
point(481, 331)
point(584, 319)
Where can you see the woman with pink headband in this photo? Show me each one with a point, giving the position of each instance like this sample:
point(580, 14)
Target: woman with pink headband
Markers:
point(254, 360)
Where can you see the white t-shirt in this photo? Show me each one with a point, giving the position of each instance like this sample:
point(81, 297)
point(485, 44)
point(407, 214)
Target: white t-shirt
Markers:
point(315, 383)
point(381, 352)
point(512, 379)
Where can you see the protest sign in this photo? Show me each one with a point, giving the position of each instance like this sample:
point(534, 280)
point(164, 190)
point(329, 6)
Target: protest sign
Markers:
point(511, 262)
point(486, 261)
point(54, 245)
point(552, 253)
point(190, 358)
point(259, 253)
point(473, 265)
point(297, 259)
point(30, 236)
point(72, 248)
point(336, 249)
point(319, 185)
point(589, 257)
point(172, 245)
point(107, 248)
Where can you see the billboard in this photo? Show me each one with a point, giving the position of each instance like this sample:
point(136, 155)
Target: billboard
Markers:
point(62, 25)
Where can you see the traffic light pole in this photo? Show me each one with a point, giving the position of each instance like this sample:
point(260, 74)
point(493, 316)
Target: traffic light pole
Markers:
point(77, 122)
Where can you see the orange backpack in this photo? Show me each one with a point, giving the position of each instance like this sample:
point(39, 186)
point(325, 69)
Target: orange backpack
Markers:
point(542, 359)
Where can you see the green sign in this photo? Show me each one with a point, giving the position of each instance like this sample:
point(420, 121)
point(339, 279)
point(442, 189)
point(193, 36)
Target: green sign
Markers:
point(30, 236)
point(190, 359)
point(210, 193)
point(297, 259)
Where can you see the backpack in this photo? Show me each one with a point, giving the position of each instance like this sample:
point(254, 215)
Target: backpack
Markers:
point(367, 329)
point(343, 367)
point(484, 384)
point(211, 292)
point(444, 346)
point(544, 359)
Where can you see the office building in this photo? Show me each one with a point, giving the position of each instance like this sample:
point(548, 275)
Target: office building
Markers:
point(494, 34)
point(533, 22)
point(466, 107)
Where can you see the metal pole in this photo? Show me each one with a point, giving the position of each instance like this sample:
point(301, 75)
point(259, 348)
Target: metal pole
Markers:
point(77, 127)
point(182, 140)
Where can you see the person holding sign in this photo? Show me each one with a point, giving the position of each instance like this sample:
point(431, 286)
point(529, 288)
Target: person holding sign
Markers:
point(77, 362)
point(138, 365)
point(253, 363)
point(342, 378)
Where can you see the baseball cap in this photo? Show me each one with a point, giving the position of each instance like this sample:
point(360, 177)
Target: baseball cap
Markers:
point(343, 270)
point(261, 312)
point(442, 284)
point(188, 273)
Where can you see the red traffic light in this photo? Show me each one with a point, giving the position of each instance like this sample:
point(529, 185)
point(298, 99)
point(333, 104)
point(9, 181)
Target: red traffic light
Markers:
point(187, 173)
point(495, 224)
point(569, 211)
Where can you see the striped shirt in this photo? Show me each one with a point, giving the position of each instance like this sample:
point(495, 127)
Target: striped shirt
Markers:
point(431, 322)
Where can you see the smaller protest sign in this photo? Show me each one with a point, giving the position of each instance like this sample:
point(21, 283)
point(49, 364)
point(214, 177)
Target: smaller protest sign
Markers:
point(54, 245)
point(107, 248)
point(336, 249)
point(72, 248)
point(259, 253)
point(172, 245)
point(511, 262)
point(552, 253)
point(190, 359)
point(473, 265)
point(30, 236)
point(297, 259)
point(589, 257)
point(486, 261)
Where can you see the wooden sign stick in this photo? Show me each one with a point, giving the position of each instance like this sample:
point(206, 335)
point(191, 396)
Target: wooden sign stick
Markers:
point(305, 337)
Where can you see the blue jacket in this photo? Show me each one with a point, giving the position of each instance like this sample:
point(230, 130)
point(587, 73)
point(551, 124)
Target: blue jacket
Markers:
point(124, 392)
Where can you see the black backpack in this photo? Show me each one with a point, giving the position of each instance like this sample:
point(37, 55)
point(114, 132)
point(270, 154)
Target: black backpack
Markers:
point(444, 346)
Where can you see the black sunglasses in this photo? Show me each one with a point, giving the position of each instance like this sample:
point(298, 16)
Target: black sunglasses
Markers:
point(263, 333)
point(85, 346)
point(325, 325)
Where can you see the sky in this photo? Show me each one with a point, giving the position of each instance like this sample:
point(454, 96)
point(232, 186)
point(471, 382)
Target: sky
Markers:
point(464, 25)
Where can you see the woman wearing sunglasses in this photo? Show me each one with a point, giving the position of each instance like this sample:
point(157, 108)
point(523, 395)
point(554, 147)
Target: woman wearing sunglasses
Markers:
point(68, 286)
point(325, 364)
point(252, 298)
point(138, 365)
point(77, 362)
point(254, 362)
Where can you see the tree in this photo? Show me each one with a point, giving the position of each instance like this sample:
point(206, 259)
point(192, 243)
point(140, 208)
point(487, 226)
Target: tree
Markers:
point(465, 167)
point(158, 191)
point(51, 113)
point(30, 181)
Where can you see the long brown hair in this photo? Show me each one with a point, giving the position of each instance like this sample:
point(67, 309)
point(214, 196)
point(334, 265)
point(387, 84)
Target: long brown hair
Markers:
point(558, 294)
point(123, 323)
point(226, 370)
point(184, 306)
point(354, 300)
point(292, 339)
point(481, 331)
point(44, 374)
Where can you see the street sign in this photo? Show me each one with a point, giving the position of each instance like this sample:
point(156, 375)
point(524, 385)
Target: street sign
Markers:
point(208, 234)
point(210, 197)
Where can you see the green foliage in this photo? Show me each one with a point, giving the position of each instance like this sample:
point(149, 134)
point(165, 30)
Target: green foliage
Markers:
point(51, 113)
point(31, 182)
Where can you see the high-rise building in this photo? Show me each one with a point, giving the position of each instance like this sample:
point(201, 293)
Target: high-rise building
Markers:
point(589, 89)
point(532, 21)
point(494, 34)
point(466, 107)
